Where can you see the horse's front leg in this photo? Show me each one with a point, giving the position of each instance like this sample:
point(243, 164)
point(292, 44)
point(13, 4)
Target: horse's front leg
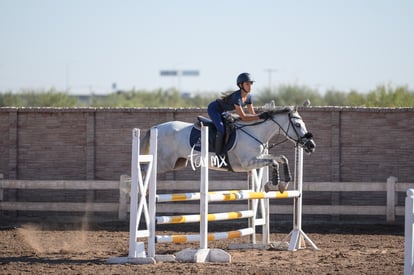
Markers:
point(274, 176)
point(275, 179)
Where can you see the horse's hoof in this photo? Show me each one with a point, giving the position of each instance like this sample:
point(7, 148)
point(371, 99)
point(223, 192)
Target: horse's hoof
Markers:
point(283, 186)
point(269, 186)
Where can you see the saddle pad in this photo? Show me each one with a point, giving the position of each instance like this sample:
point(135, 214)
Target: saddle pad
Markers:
point(195, 139)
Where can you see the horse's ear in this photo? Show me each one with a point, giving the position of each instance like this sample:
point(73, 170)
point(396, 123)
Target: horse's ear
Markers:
point(295, 108)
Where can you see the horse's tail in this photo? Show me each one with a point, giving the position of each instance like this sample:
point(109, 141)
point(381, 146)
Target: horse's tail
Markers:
point(145, 144)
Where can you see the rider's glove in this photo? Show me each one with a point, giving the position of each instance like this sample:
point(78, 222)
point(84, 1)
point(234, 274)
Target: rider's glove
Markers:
point(264, 115)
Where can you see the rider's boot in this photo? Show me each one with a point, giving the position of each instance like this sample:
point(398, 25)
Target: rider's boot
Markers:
point(219, 145)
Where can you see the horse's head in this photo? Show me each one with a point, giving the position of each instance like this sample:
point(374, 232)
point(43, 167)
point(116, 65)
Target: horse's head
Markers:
point(295, 129)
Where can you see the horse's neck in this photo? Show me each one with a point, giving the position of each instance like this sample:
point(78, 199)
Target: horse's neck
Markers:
point(262, 131)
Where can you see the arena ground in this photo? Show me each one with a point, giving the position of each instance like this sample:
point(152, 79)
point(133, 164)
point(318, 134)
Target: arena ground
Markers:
point(45, 248)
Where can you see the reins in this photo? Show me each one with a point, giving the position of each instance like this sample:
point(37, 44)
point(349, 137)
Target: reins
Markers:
point(280, 128)
point(250, 135)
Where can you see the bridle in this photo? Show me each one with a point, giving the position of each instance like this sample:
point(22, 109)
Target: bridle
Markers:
point(300, 139)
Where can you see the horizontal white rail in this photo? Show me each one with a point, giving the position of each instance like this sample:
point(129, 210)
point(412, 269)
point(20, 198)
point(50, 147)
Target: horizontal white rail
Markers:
point(59, 206)
point(59, 184)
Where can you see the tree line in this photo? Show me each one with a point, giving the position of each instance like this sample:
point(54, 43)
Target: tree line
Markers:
point(283, 95)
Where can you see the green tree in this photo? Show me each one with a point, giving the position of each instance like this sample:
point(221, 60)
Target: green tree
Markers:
point(33, 98)
point(335, 98)
point(387, 96)
point(290, 95)
point(355, 99)
point(381, 96)
point(9, 99)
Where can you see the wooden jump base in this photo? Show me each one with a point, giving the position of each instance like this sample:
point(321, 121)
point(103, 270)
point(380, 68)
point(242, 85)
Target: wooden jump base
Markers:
point(140, 207)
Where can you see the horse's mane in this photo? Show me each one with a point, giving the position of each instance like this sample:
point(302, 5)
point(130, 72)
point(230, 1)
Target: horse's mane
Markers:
point(280, 110)
point(272, 109)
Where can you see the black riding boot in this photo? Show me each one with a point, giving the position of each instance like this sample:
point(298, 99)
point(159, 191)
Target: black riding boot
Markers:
point(219, 144)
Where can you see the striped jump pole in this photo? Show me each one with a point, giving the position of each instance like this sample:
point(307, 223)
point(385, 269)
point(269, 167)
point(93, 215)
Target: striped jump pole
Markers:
point(228, 196)
point(210, 236)
point(210, 217)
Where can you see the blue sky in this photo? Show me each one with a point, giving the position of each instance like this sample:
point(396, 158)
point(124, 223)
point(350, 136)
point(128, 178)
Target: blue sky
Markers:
point(87, 45)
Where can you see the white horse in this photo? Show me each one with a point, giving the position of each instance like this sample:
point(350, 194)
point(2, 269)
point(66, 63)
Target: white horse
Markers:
point(249, 148)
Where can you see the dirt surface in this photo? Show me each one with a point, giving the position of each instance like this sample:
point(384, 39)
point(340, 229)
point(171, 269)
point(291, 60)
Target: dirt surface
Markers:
point(85, 249)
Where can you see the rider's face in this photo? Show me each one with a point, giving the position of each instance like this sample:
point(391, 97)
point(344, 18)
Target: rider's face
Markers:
point(247, 86)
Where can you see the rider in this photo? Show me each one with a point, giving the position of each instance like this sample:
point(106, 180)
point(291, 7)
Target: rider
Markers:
point(230, 101)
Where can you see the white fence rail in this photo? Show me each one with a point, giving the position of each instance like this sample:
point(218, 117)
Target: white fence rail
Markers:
point(390, 210)
point(120, 207)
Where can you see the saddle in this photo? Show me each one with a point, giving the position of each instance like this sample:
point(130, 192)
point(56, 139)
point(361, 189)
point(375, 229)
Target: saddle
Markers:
point(228, 121)
point(195, 134)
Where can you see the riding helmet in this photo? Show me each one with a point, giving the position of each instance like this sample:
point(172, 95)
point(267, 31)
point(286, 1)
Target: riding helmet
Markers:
point(244, 77)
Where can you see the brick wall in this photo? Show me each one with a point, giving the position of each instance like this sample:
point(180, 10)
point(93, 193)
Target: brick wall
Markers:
point(353, 144)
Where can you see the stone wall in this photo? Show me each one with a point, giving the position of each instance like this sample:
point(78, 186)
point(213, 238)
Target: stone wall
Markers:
point(353, 144)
